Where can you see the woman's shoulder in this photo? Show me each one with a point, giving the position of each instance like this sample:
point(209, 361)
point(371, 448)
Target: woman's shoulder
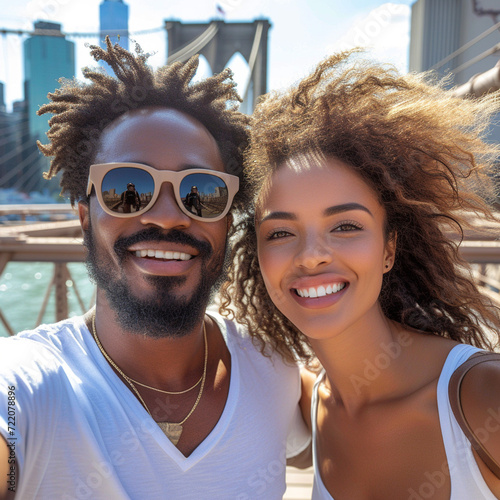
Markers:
point(480, 401)
point(480, 392)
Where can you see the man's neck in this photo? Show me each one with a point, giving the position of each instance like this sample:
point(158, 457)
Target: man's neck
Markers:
point(165, 363)
point(171, 364)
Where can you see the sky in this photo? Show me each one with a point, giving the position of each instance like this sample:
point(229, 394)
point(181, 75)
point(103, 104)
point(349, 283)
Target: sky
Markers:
point(303, 32)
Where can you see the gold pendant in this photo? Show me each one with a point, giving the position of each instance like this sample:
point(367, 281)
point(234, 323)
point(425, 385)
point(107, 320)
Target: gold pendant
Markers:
point(172, 431)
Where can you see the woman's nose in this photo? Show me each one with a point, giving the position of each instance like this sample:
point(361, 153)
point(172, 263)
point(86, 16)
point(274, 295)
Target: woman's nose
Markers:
point(313, 252)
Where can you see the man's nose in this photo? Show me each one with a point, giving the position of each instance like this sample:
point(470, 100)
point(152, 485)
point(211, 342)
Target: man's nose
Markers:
point(165, 212)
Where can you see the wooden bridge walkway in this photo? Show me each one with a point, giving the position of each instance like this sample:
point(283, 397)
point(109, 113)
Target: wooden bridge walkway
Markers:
point(299, 484)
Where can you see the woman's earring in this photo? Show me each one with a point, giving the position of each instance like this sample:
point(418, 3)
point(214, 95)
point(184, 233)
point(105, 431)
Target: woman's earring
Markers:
point(387, 266)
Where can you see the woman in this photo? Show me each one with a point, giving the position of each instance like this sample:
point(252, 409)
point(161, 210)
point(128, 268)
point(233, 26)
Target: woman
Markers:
point(363, 180)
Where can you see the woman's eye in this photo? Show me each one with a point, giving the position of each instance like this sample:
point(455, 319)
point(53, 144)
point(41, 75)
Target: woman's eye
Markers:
point(348, 226)
point(274, 235)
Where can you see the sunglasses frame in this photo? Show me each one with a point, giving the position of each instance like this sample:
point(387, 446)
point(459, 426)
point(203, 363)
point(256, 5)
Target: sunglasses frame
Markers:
point(98, 171)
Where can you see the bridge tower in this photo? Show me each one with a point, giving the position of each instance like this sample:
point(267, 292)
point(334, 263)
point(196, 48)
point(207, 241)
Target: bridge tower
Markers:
point(218, 41)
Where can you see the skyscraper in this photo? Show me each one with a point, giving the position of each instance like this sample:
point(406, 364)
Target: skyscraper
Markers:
point(2, 101)
point(441, 27)
point(48, 56)
point(456, 38)
point(113, 20)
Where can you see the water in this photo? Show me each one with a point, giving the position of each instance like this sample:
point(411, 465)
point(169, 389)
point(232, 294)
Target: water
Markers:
point(23, 286)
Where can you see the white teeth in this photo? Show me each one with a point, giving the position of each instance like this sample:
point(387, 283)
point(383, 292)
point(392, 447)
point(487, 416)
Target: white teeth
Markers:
point(159, 254)
point(320, 291)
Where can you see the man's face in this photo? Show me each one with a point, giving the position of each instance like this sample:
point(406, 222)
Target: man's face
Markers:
point(156, 269)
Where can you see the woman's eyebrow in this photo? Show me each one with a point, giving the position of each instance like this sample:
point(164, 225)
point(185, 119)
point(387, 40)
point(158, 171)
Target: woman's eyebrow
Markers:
point(346, 207)
point(335, 209)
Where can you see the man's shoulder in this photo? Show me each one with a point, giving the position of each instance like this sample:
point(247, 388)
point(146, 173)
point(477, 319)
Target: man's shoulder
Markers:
point(51, 333)
point(40, 348)
point(234, 333)
point(241, 343)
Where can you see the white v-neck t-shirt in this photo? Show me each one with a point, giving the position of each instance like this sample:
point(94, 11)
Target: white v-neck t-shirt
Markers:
point(467, 483)
point(80, 433)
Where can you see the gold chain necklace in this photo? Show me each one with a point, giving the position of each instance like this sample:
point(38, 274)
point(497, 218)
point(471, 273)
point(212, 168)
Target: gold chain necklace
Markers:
point(172, 430)
point(167, 392)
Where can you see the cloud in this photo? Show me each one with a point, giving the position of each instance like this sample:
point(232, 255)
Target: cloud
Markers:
point(384, 32)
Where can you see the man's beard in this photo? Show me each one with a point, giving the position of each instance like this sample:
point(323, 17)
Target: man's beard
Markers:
point(163, 313)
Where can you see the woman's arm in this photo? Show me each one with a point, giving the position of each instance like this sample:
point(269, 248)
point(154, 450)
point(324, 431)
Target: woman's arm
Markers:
point(304, 459)
point(308, 378)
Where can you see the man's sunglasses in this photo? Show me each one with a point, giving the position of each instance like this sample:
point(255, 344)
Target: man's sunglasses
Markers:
point(209, 202)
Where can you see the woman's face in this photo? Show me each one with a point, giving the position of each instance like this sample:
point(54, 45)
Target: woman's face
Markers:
point(322, 247)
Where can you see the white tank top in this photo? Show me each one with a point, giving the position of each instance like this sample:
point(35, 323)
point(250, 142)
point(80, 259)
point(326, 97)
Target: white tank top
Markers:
point(467, 483)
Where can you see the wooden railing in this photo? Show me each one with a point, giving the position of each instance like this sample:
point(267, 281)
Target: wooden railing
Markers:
point(58, 242)
point(50, 209)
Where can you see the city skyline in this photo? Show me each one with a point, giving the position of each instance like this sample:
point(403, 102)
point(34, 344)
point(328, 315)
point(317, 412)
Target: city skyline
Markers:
point(324, 28)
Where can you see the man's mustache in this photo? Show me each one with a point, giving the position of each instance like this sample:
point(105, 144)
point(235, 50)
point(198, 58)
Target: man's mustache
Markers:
point(122, 245)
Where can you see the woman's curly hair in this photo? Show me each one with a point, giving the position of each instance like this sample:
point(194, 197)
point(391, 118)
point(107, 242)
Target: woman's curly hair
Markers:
point(423, 152)
point(82, 111)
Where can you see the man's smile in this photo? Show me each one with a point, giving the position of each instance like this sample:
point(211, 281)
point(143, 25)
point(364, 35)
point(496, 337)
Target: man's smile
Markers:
point(170, 260)
point(159, 254)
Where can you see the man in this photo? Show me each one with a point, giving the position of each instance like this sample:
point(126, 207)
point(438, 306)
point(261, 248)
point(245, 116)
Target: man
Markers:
point(147, 396)
point(193, 200)
point(130, 199)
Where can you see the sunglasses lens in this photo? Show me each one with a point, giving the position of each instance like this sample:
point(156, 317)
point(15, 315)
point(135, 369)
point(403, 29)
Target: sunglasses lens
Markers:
point(205, 195)
point(127, 190)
